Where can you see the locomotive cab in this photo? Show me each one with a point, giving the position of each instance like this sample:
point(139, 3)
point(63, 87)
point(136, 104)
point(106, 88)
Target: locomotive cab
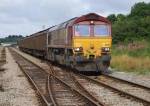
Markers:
point(92, 41)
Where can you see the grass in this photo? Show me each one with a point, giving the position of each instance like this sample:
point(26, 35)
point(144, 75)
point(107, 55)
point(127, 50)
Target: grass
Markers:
point(133, 57)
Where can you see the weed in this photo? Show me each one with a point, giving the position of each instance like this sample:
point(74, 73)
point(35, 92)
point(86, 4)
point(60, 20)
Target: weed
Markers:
point(130, 59)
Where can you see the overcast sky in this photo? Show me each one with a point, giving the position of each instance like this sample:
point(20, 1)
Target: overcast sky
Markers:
point(28, 16)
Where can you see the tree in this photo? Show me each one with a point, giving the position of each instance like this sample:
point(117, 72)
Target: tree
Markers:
point(121, 17)
point(11, 38)
point(135, 26)
point(140, 9)
point(112, 18)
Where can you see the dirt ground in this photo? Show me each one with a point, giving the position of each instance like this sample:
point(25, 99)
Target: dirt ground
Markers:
point(15, 89)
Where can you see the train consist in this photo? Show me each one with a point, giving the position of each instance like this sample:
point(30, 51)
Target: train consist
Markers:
point(82, 43)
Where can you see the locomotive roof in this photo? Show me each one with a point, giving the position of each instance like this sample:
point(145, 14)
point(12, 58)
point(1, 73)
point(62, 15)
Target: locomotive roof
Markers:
point(90, 16)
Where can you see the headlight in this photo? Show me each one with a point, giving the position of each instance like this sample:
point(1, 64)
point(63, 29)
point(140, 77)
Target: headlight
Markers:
point(78, 49)
point(105, 49)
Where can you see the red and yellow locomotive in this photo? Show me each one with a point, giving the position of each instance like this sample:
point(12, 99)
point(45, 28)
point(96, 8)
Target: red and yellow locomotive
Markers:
point(82, 43)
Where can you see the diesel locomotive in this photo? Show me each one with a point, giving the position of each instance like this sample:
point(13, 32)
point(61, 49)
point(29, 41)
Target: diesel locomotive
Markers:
point(83, 43)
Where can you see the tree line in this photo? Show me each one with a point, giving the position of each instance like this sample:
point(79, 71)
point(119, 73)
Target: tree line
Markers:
point(11, 39)
point(131, 27)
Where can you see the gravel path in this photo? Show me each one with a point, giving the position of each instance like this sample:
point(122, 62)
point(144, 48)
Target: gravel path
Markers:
point(17, 90)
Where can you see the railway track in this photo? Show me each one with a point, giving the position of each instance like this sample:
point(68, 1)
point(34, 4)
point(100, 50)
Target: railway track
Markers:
point(74, 88)
point(125, 81)
point(68, 77)
point(3, 55)
point(71, 77)
point(2, 58)
point(127, 86)
point(124, 93)
point(52, 89)
point(36, 76)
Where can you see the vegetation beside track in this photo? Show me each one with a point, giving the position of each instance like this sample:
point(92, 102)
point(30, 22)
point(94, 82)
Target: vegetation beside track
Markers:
point(131, 36)
point(132, 57)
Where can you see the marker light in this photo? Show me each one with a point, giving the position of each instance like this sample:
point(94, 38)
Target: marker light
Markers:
point(92, 22)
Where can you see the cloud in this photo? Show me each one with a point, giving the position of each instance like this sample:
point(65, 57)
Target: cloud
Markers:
point(106, 7)
point(28, 16)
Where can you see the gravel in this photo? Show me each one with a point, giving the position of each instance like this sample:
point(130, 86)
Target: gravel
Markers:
point(141, 79)
point(127, 87)
point(108, 96)
point(17, 90)
point(34, 60)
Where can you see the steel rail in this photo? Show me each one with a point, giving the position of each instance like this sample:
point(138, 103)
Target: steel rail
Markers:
point(34, 84)
point(88, 93)
point(113, 88)
point(126, 81)
point(3, 55)
point(75, 90)
point(91, 98)
point(50, 91)
point(101, 83)
point(81, 88)
point(83, 95)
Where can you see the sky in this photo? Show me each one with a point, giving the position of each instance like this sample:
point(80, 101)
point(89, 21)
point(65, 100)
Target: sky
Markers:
point(24, 17)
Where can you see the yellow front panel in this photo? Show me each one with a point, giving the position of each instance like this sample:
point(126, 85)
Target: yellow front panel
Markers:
point(92, 42)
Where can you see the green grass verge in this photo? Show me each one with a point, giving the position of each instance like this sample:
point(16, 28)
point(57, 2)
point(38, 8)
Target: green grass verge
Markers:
point(133, 57)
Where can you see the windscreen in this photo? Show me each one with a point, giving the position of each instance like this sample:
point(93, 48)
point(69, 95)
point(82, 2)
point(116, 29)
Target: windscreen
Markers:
point(82, 30)
point(97, 30)
point(101, 30)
